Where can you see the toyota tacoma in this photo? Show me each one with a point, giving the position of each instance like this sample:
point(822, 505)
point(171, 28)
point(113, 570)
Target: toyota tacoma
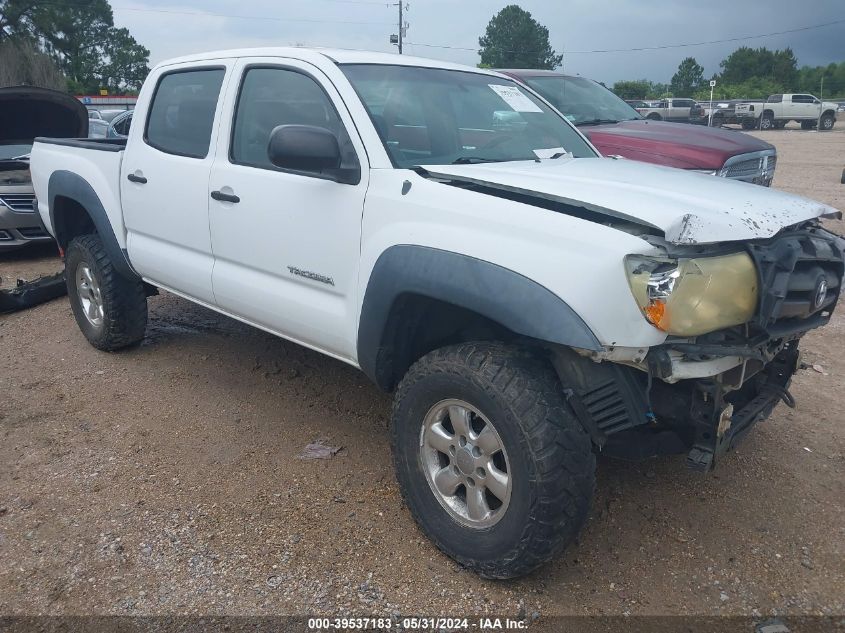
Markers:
point(444, 229)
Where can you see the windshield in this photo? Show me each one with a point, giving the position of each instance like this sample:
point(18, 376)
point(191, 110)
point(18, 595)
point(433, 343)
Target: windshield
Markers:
point(14, 151)
point(432, 116)
point(583, 101)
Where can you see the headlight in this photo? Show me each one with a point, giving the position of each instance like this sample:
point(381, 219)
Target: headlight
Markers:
point(688, 297)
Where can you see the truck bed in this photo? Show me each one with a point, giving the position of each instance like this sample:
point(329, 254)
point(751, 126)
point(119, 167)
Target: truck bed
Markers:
point(96, 161)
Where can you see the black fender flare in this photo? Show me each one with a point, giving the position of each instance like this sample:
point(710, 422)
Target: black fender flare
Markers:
point(497, 293)
point(74, 187)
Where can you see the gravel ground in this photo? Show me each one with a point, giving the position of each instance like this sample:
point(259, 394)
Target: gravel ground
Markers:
point(166, 479)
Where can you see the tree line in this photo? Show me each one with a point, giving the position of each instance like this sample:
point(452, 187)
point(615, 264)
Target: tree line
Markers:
point(77, 38)
point(752, 73)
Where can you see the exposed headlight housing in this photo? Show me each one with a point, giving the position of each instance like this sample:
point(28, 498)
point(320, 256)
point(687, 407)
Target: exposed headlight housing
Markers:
point(689, 297)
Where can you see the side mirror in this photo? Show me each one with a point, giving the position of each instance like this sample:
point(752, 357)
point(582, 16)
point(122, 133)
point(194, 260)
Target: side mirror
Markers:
point(309, 149)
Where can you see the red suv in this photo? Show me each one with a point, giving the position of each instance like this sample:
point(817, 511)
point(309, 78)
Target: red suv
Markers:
point(616, 129)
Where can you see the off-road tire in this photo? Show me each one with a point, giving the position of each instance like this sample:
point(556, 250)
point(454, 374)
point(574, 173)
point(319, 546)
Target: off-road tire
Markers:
point(808, 125)
point(124, 300)
point(550, 455)
point(827, 122)
point(748, 125)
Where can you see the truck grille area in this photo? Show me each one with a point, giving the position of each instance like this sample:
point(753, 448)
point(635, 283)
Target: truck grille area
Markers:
point(758, 168)
point(800, 280)
point(19, 202)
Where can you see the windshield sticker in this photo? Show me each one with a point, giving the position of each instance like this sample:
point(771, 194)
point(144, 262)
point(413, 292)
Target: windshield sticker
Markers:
point(514, 97)
point(552, 152)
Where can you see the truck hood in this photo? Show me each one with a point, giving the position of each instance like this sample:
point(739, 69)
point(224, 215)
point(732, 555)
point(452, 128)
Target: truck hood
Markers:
point(688, 208)
point(27, 112)
point(681, 144)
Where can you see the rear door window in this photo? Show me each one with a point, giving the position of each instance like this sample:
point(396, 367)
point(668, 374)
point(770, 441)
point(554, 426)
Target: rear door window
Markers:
point(182, 113)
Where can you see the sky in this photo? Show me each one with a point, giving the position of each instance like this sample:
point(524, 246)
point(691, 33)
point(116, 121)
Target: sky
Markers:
point(170, 28)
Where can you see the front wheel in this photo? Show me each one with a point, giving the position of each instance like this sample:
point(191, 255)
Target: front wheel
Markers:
point(748, 124)
point(110, 310)
point(493, 466)
point(826, 122)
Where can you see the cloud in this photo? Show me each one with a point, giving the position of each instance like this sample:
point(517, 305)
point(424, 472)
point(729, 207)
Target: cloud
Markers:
point(178, 27)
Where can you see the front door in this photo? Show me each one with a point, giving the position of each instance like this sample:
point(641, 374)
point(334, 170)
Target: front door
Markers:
point(164, 179)
point(286, 244)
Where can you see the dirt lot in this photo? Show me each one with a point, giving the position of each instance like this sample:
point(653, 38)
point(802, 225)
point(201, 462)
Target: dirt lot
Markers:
point(166, 479)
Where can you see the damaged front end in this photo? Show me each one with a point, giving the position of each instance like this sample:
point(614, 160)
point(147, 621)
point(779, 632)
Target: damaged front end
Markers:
point(700, 393)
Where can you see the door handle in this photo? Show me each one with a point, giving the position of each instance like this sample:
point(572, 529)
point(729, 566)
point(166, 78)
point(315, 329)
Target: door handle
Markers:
point(225, 197)
point(134, 178)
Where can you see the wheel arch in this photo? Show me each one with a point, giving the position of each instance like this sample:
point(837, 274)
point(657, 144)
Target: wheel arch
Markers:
point(419, 298)
point(76, 209)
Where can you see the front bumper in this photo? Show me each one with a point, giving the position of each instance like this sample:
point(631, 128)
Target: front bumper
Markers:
point(701, 395)
point(20, 224)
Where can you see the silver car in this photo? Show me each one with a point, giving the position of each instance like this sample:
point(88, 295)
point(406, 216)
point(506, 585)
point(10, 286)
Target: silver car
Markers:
point(26, 113)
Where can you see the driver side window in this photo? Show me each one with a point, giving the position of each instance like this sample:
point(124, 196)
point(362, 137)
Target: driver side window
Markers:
point(271, 97)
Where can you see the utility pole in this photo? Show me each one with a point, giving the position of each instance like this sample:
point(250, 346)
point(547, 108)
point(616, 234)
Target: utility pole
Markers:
point(403, 26)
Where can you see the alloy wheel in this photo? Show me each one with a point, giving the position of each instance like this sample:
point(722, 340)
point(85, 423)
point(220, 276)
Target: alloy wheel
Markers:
point(465, 464)
point(90, 296)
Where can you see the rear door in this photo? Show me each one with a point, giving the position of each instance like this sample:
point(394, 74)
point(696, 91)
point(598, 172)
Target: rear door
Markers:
point(164, 181)
point(286, 243)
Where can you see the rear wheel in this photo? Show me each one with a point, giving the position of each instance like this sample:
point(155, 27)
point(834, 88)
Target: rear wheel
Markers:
point(748, 124)
point(808, 125)
point(767, 122)
point(654, 117)
point(110, 310)
point(493, 466)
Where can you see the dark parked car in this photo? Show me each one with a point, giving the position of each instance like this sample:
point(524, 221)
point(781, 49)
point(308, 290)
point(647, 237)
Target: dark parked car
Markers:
point(615, 128)
point(25, 113)
point(724, 112)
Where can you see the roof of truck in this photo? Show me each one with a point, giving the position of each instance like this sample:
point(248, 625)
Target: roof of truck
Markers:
point(337, 55)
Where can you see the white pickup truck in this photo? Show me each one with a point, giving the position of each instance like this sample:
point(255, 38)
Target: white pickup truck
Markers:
point(782, 108)
point(456, 238)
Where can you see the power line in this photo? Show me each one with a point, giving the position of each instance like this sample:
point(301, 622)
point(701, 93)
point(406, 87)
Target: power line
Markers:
point(263, 18)
point(647, 48)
